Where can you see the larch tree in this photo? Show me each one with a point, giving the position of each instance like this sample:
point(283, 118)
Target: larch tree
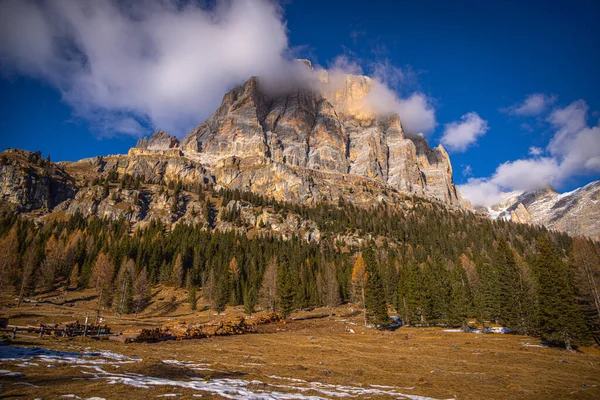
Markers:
point(234, 275)
point(359, 282)
point(141, 291)
point(9, 257)
point(329, 286)
point(177, 273)
point(268, 288)
point(102, 275)
point(124, 287)
point(29, 262)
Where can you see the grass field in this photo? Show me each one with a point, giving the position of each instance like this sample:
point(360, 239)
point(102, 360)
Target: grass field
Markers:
point(329, 357)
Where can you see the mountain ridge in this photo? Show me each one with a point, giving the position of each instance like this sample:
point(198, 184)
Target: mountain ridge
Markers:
point(576, 212)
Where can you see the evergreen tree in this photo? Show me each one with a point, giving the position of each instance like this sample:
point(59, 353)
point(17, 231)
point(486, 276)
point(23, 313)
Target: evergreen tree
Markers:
point(560, 321)
point(285, 288)
point(513, 293)
point(461, 303)
point(250, 299)
point(375, 303)
point(193, 298)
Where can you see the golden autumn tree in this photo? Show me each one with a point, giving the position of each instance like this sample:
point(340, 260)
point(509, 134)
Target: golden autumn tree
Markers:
point(359, 281)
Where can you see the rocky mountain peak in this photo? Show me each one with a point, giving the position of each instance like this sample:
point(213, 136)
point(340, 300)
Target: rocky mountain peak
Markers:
point(160, 140)
point(327, 129)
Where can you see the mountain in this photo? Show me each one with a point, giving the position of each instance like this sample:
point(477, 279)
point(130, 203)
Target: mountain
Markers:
point(576, 212)
point(305, 143)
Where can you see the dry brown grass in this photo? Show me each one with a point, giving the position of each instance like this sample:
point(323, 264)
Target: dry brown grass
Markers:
point(419, 361)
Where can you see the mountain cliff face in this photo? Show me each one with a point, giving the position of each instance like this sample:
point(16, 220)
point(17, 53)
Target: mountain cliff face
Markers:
point(255, 141)
point(29, 182)
point(576, 212)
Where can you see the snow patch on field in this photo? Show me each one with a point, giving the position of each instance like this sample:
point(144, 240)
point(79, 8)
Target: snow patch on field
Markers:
point(498, 329)
point(5, 372)
point(277, 388)
point(14, 353)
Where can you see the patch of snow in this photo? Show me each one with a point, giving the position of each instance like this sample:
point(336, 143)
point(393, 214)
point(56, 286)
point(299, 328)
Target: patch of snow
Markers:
point(15, 353)
point(533, 345)
point(5, 372)
point(27, 364)
point(26, 384)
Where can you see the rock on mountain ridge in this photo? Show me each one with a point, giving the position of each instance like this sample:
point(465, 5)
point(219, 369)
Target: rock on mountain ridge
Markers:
point(576, 212)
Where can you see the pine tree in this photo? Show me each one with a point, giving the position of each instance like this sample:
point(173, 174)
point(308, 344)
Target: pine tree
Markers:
point(560, 320)
point(193, 298)
point(512, 310)
point(375, 299)
point(461, 304)
point(285, 288)
point(250, 299)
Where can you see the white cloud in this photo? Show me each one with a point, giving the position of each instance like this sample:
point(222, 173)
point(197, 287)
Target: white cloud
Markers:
point(459, 135)
point(574, 150)
point(467, 170)
point(166, 64)
point(160, 62)
point(534, 104)
point(535, 151)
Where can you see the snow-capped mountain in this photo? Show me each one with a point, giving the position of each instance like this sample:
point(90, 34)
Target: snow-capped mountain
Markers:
point(576, 212)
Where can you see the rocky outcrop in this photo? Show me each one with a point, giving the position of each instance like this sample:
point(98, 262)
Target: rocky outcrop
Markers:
point(30, 182)
point(159, 140)
point(330, 129)
point(520, 215)
point(159, 168)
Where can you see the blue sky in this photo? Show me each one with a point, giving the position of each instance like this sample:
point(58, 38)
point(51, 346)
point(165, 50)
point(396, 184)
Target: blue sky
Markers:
point(475, 63)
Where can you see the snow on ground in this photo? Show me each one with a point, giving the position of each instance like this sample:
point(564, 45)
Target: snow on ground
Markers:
point(15, 353)
point(498, 329)
point(92, 366)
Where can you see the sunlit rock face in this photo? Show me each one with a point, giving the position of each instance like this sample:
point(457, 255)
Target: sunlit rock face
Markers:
point(273, 142)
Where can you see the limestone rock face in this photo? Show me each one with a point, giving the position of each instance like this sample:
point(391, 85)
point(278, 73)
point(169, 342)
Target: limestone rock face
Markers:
point(268, 143)
point(29, 182)
point(235, 128)
point(520, 215)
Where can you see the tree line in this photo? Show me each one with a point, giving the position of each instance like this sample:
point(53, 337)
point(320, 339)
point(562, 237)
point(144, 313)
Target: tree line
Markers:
point(428, 264)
